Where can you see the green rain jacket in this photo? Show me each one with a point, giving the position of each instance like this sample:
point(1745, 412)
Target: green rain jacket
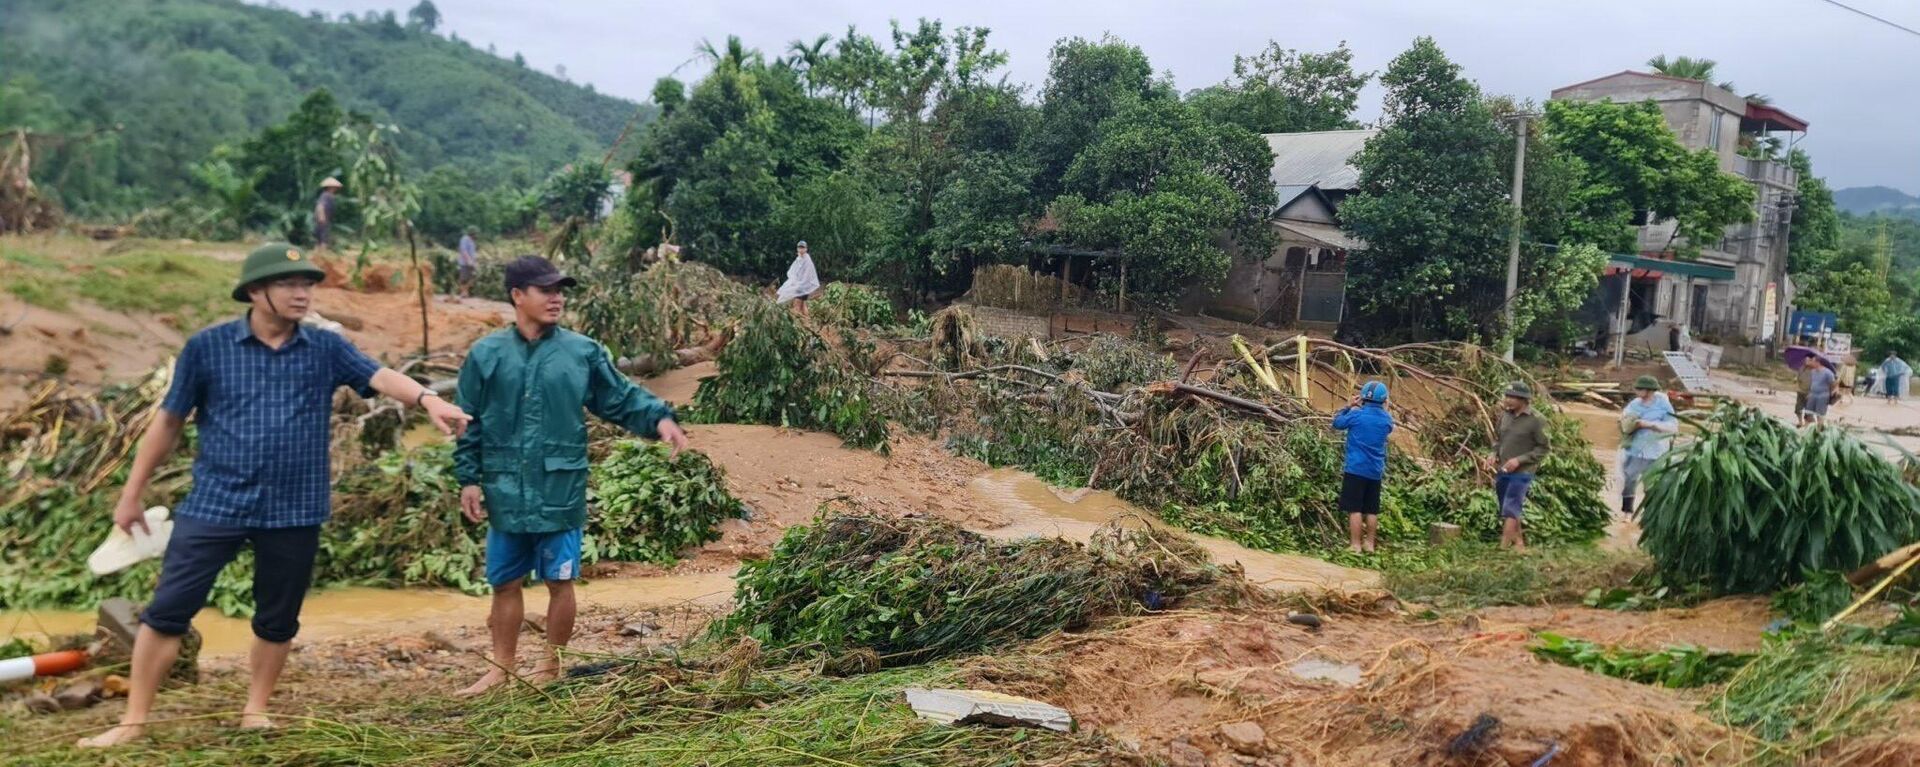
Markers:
point(527, 445)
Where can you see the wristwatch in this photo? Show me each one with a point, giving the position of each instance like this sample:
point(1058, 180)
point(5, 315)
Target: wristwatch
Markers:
point(424, 394)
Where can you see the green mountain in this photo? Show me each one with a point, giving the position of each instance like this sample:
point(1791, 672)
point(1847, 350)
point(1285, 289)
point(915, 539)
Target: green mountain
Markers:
point(179, 77)
point(1862, 200)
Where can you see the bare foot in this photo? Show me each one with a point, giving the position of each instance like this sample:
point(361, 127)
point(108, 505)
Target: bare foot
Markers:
point(493, 679)
point(547, 671)
point(119, 735)
point(1354, 550)
point(257, 721)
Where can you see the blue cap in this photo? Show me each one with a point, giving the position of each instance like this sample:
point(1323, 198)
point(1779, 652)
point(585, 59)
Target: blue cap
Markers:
point(1374, 391)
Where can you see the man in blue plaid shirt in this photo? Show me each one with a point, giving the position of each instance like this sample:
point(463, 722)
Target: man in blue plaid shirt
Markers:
point(260, 388)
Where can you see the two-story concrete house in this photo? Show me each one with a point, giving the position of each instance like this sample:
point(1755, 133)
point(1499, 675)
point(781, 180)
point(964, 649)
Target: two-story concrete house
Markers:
point(1737, 290)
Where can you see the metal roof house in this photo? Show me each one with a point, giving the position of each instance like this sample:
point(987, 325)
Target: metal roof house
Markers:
point(1303, 280)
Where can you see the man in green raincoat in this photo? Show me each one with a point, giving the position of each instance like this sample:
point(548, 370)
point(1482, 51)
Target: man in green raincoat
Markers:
point(522, 465)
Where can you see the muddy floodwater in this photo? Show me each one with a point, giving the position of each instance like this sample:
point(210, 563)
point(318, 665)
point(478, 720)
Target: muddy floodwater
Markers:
point(1032, 507)
point(1037, 508)
point(344, 612)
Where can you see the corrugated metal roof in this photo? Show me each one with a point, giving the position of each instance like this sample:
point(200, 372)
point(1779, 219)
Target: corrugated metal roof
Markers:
point(1325, 234)
point(1317, 159)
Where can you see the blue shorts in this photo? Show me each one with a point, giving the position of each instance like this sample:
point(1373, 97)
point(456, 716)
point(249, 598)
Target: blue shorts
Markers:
point(1511, 489)
point(547, 556)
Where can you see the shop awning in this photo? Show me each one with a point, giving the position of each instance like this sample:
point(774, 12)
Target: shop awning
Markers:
point(1665, 266)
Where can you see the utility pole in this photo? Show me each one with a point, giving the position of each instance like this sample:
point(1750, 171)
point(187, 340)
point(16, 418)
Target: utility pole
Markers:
point(1513, 235)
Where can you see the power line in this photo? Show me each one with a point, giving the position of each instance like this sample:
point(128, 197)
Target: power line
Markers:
point(1844, 6)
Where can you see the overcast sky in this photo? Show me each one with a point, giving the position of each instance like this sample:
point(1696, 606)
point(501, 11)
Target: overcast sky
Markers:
point(1851, 78)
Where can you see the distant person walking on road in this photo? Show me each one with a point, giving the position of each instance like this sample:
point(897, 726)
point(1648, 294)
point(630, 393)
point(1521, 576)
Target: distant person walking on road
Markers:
point(467, 265)
point(260, 391)
point(522, 465)
point(1893, 374)
point(1821, 383)
point(802, 280)
point(1649, 424)
point(1521, 445)
point(1367, 423)
point(323, 213)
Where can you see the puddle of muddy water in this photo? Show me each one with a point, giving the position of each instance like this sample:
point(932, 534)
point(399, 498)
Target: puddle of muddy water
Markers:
point(1343, 674)
point(1037, 509)
point(360, 610)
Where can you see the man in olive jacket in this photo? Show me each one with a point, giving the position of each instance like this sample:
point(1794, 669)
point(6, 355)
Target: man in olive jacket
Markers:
point(522, 465)
point(1520, 447)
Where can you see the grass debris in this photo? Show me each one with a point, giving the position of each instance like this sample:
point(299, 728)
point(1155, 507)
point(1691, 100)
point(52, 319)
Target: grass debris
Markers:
point(912, 590)
point(1472, 575)
point(700, 709)
point(1809, 699)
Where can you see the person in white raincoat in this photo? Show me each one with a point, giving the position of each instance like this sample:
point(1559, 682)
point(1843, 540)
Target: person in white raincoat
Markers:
point(802, 280)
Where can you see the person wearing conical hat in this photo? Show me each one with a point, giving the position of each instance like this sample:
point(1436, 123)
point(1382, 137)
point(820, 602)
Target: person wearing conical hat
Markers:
point(260, 390)
point(323, 213)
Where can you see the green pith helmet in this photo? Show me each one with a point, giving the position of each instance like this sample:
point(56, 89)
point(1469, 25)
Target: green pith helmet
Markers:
point(272, 260)
point(1646, 383)
point(1520, 390)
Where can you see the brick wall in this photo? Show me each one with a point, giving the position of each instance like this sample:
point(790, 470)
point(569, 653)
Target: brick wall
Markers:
point(1009, 325)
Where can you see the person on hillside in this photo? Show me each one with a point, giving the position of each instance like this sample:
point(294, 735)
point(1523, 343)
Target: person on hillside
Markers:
point(260, 388)
point(323, 209)
point(802, 280)
point(522, 465)
point(1521, 445)
point(467, 265)
point(1367, 423)
point(1893, 374)
point(1821, 381)
point(1649, 423)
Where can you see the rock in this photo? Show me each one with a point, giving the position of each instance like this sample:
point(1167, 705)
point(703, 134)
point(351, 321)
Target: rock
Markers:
point(965, 707)
point(440, 643)
point(1441, 533)
point(1244, 737)
point(119, 621)
point(638, 629)
point(78, 695)
point(42, 703)
point(1180, 753)
point(1308, 620)
point(537, 622)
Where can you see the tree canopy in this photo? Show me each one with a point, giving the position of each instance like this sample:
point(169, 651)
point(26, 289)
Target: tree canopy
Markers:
point(1631, 167)
point(1431, 206)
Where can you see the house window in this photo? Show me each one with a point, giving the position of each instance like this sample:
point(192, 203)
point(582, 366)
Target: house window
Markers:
point(1713, 129)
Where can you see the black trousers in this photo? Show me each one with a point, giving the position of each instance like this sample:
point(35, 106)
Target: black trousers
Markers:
point(282, 570)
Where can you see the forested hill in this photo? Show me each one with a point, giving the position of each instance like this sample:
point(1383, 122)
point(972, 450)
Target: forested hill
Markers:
point(182, 76)
point(1864, 200)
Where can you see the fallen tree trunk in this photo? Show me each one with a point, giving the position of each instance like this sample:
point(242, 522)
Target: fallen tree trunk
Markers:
point(1884, 565)
point(660, 363)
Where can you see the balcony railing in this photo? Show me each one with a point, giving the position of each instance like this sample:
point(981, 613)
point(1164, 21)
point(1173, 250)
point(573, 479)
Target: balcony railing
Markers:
point(1769, 172)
